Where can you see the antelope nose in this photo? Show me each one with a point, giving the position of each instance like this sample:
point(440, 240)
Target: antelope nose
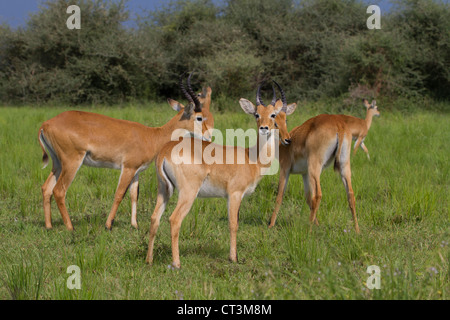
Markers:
point(263, 130)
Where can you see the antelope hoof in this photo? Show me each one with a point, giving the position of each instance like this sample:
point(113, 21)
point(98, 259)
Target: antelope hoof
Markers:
point(109, 225)
point(175, 266)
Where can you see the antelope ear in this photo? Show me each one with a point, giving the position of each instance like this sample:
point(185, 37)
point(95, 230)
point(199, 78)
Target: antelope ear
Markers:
point(366, 103)
point(278, 107)
point(374, 104)
point(175, 105)
point(290, 109)
point(247, 106)
point(206, 91)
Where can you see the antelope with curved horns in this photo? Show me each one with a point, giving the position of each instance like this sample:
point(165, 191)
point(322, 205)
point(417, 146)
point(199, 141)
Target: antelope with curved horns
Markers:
point(211, 179)
point(74, 138)
point(314, 145)
point(360, 127)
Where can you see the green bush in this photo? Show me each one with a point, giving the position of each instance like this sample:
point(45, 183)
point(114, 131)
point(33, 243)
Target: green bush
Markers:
point(314, 48)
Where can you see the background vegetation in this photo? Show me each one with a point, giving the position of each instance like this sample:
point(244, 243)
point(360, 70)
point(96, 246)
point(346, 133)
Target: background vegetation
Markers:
point(315, 48)
point(401, 201)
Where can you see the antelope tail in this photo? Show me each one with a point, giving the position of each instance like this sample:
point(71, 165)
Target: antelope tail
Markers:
point(340, 140)
point(165, 177)
point(45, 159)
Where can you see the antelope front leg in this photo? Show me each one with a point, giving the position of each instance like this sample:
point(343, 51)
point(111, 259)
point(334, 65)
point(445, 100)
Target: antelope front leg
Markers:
point(234, 203)
point(124, 182)
point(358, 143)
point(185, 201)
point(282, 183)
point(363, 146)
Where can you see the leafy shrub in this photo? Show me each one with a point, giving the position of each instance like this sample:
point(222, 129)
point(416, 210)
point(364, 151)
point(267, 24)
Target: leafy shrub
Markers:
point(314, 48)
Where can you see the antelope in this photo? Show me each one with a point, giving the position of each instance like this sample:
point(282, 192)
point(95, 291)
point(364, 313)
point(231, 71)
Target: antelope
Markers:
point(360, 127)
point(76, 138)
point(314, 145)
point(205, 100)
point(202, 179)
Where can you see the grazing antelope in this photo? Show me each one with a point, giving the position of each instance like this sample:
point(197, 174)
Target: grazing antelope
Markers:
point(314, 145)
point(74, 138)
point(195, 177)
point(360, 127)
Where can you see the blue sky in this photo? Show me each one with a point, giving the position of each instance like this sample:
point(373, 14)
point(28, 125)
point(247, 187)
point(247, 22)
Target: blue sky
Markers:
point(16, 12)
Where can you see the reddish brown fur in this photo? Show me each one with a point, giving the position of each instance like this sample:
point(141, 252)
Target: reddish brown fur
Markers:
point(75, 136)
point(232, 181)
point(360, 127)
point(315, 144)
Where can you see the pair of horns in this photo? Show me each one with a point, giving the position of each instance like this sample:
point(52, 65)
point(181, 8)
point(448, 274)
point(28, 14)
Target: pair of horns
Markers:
point(190, 94)
point(259, 100)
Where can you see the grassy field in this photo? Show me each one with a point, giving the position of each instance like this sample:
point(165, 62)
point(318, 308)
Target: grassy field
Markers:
point(401, 201)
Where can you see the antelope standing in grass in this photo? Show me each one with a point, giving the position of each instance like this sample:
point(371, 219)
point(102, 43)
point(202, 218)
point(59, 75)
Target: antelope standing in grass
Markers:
point(317, 143)
point(74, 138)
point(195, 177)
point(205, 100)
point(360, 127)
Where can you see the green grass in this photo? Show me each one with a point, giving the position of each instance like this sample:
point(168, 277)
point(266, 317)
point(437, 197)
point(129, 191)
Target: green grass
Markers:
point(402, 206)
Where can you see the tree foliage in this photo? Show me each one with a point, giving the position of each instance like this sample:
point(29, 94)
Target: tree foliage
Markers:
point(315, 48)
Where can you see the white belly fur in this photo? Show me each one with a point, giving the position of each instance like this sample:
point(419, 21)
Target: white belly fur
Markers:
point(208, 190)
point(88, 161)
point(300, 167)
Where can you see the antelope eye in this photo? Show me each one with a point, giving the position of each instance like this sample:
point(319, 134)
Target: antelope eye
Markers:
point(256, 116)
point(273, 116)
point(199, 119)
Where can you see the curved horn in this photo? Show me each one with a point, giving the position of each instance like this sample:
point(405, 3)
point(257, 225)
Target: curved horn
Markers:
point(283, 96)
point(274, 99)
point(258, 97)
point(198, 105)
point(183, 89)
